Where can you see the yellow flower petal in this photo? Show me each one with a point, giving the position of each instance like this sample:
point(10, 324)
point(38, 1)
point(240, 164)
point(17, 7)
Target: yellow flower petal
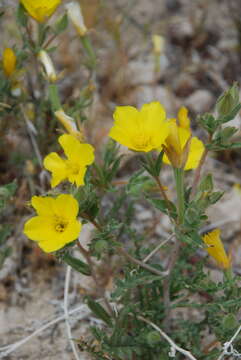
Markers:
point(175, 145)
point(183, 118)
point(195, 153)
point(56, 225)
point(57, 166)
point(69, 235)
point(9, 62)
point(143, 130)
point(39, 228)
point(43, 205)
point(40, 10)
point(67, 206)
point(77, 177)
point(216, 250)
point(76, 151)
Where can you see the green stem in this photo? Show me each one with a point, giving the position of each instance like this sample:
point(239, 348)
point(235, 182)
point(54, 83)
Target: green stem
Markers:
point(89, 50)
point(54, 97)
point(179, 178)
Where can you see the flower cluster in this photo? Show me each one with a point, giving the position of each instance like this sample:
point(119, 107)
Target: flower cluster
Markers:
point(55, 224)
point(149, 129)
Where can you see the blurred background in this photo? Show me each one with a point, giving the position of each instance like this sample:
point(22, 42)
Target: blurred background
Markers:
point(196, 56)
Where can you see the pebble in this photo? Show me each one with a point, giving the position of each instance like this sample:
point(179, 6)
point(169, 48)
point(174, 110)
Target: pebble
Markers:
point(200, 101)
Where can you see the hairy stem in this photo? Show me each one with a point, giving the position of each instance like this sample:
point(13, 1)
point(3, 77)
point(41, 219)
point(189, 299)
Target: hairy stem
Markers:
point(199, 169)
point(179, 178)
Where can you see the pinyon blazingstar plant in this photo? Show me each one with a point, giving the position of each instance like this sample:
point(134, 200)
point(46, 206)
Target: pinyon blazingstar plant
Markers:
point(154, 296)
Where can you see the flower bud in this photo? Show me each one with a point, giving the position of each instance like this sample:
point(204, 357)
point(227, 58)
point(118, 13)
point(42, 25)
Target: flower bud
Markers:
point(9, 62)
point(69, 124)
point(48, 66)
point(158, 44)
point(75, 15)
point(228, 101)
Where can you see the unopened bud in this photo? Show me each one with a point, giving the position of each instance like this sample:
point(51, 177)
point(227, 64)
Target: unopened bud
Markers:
point(158, 44)
point(48, 66)
point(228, 101)
point(69, 124)
point(9, 62)
point(75, 15)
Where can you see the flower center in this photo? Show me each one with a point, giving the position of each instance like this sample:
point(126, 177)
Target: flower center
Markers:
point(73, 168)
point(60, 224)
point(141, 141)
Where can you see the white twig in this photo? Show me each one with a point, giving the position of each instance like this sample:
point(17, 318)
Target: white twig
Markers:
point(228, 346)
point(217, 224)
point(154, 251)
point(12, 347)
point(32, 132)
point(66, 312)
point(174, 347)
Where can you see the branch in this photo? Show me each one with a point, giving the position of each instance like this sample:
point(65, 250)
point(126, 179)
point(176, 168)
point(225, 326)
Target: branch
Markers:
point(8, 349)
point(228, 345)
point(154, 251)
point(66, 312)
point(174, 347)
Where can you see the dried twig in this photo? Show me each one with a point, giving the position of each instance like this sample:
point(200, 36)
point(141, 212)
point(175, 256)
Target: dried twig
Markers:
point(6, 350)
point(154, 251)
point(66, 312)
point(228, 348)
point(174, 346)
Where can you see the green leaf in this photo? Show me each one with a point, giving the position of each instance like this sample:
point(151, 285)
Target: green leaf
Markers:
point(230, 322)
point(4, 254)
point(208, 122)
point(224, 135)
point(77, 264)
point(61, 24)
point(228, 102)
point(22, 18)
point(164, 206)
point(206, 184)
point(215, 196)
point(231, 115)
point(5, 231)
point(99, 311)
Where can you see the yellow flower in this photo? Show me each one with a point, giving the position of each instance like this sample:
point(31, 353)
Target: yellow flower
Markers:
point(181, 149)
point(74, 167)
point(216, 250)
point(9, 61)
point(142, 130)
point(40, 10)
point(56, 222)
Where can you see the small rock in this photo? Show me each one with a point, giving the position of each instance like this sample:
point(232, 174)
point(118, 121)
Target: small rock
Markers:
point(141, 72)
point(181, 29)
point(200, 101)
point(147, 94)
point(184, 85)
